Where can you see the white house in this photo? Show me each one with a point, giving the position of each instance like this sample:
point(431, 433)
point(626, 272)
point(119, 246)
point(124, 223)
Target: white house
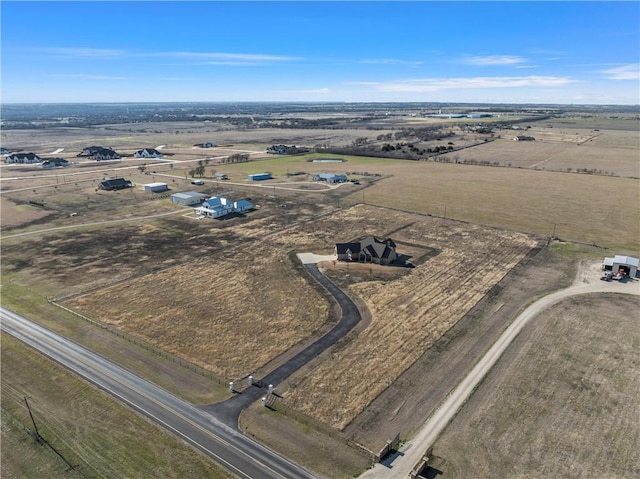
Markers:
point(217, 207)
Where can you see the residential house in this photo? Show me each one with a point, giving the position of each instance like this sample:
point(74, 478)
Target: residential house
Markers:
point(21, 158)
point(284, 150)
point(368, 250)
point(217, 207)
point(55, 163)
point(148, 153)
point(99, 153)
point(115, 184)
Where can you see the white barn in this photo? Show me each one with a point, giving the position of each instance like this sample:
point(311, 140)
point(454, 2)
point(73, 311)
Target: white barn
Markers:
point(628, 265)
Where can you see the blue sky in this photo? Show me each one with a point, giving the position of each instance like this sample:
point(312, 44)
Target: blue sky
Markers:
point(493, 52)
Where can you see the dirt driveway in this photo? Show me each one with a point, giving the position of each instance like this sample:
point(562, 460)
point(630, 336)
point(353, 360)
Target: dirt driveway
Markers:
point(587, 281)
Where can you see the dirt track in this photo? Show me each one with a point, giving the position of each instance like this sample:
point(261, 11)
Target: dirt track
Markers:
point(412, 452)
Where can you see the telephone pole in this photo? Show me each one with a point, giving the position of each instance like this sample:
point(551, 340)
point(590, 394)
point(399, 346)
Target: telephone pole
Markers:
point(35, 427)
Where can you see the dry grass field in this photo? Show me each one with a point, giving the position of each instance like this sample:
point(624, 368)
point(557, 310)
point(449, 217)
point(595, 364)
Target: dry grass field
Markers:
point(562, 402)
point(409, 313)
point(231, 297)
point(557, 155)
point(220, 294)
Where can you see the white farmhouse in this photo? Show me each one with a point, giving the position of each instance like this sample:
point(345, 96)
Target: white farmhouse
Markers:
point(217, 207)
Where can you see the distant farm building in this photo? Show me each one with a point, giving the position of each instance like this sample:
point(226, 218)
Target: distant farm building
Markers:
point(330, 178)
point(148, 153)
point(368, 250)
point(55, 163)
point(4, 151)
point(207, 144)
point(221, 176)
point(23, 158)
point(188, 198)
point(523, 138)
point(217, 207)
point(259, 176)
point(115, 184)
point(621, 265)
point(156, 187)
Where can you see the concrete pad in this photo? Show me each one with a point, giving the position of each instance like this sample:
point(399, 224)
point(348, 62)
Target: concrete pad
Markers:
point(310, 258)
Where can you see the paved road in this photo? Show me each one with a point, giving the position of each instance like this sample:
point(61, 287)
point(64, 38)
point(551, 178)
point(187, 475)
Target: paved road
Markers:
point(412, 452)
point(229, 410)
point(241, 455)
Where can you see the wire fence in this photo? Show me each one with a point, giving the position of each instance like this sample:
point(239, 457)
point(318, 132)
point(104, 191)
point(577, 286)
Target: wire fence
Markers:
point(148, 347)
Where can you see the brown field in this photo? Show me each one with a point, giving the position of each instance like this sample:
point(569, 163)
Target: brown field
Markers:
point(604, 153)
point(229, 308)
point(230, 296)
point(409, 314)
point(562, 402)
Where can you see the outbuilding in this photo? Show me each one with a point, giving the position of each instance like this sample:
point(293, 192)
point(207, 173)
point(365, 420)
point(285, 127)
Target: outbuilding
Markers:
point(188, 198)
point(330, 177)
point(621, 264)
point(156, 187)
point(260, 176)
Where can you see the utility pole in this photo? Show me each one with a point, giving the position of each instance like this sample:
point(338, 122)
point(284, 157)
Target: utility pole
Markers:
point(35, 427)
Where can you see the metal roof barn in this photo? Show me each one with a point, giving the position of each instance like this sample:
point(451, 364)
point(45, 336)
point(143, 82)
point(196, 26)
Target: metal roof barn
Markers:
point(259, 176)
point(156, 187)
point(188, 198)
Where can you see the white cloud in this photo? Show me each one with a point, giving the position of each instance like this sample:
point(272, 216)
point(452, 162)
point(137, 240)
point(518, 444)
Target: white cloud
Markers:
point(433, 84)
point(624, 72)
point(493, 60)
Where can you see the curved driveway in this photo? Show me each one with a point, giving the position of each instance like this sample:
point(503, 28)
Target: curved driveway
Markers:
point(229, 410)
point(413, 451)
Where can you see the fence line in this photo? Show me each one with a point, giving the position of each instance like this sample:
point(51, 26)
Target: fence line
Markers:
point(139, 342)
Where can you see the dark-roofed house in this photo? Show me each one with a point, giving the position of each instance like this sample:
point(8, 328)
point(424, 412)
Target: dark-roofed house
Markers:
point(23, 158)
point(115, 184)
point(105, 154)
point(55, 163)
point(99, 153)
point(148, 153)
point(368, 250)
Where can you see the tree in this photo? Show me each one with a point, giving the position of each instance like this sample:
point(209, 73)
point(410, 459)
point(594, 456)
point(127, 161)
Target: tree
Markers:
point(192, 172)
point(199, 170)
point(142, 168)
